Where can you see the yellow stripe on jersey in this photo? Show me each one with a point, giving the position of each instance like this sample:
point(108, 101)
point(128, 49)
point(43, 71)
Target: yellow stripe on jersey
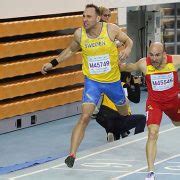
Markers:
point(168, 68)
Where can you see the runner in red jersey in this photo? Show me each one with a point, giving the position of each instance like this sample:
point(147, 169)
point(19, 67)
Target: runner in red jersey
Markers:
point(160, 71)
point(162, 85)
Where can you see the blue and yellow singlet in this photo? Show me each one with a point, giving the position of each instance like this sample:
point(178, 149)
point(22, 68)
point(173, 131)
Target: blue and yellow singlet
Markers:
point(100, 57)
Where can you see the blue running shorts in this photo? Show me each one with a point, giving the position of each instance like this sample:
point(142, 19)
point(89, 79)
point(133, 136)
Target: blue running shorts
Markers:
point(93, 90)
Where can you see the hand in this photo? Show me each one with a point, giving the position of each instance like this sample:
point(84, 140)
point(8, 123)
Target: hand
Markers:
point(124, 54)
point(122, 66)
point(46, 67)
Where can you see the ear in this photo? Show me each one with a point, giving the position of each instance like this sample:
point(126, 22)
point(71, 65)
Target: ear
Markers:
point(164, 54)
point(98, 18)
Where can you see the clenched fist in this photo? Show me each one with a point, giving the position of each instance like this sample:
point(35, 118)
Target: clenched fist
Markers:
point(46, 67)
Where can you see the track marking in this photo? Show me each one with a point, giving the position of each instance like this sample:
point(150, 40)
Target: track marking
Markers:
point(140, 169)
point(89, 155)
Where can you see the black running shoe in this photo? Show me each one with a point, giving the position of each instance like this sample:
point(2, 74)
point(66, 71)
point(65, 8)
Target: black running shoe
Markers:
point(70, 161)
point(125, 134)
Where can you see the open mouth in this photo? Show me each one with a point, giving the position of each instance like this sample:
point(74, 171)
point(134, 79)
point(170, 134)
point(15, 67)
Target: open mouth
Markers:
point(155, 64)
point(85, 24)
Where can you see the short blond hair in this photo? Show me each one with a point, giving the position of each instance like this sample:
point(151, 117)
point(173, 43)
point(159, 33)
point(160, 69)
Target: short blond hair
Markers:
point(102, 9)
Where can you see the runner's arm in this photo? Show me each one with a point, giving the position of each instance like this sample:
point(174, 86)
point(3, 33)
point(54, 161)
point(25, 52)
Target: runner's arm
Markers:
point(130, 67)
point(72, 48)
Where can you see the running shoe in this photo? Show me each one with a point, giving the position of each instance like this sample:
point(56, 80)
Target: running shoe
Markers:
point(150, 176)
point(70, 161)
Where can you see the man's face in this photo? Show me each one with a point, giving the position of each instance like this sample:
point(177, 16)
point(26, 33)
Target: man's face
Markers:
point(90, 18)
point(157, 56)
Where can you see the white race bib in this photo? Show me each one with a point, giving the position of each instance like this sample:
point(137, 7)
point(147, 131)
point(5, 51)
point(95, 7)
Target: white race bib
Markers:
point(161, 82)
point(99, 64)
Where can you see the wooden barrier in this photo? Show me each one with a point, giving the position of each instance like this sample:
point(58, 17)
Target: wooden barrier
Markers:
point(34, 46)
point(30, 66)
point(28, 44)
point(39, 84)
point(43, 25)
point(37, 103)
point(39, 25)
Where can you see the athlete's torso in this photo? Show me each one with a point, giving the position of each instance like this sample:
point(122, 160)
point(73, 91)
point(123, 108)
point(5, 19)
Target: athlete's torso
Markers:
point(162, 84)
point(100, 57)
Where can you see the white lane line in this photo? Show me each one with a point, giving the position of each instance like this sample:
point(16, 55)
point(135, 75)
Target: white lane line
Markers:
point(102, 151)
point(98, 152)
point(35, 172)
point(91, 170)
point(118, 160)
point(140, 169)
point(92, 154)
point(160, 173)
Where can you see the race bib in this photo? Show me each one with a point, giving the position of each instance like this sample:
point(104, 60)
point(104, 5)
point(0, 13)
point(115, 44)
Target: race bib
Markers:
point(161, 82)
point(99, 64)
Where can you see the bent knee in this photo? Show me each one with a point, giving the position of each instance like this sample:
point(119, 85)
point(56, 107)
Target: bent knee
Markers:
point(124, 113)
point(123, 110)
point(85, 118)
point(153, 134)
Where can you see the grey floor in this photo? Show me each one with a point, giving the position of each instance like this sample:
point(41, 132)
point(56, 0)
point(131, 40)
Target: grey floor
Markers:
point(117, 160)
point(53, 139)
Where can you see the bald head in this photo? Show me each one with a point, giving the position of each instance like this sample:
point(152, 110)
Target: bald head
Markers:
point(158, 46)
point(157, 54)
